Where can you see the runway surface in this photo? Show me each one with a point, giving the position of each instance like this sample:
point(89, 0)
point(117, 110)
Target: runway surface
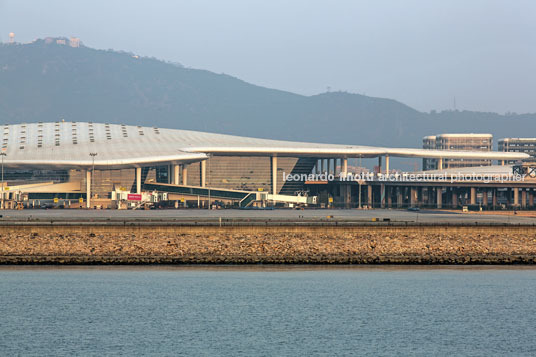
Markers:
point(278, 215)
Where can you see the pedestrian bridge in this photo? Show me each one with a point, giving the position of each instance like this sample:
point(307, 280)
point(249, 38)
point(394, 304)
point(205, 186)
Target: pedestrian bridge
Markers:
point(244, 198)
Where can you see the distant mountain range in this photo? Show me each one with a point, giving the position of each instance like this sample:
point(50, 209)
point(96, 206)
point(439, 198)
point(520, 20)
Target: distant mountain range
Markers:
point(50, 81)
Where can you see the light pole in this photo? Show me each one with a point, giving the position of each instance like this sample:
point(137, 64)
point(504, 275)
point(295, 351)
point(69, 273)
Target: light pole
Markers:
point(3, 154)
point(206, 178)
point(360, 181)
point(92, 154)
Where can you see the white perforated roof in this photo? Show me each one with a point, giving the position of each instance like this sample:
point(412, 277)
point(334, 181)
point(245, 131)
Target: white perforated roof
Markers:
point(69, 144)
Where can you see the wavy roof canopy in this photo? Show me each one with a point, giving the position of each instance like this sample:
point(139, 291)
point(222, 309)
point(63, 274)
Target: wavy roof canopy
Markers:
point(69, 144)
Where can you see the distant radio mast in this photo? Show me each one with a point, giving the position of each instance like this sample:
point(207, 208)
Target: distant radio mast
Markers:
point(11, 37)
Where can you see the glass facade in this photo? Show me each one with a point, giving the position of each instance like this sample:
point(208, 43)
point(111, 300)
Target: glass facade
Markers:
point(525, 145)
point(457, 142)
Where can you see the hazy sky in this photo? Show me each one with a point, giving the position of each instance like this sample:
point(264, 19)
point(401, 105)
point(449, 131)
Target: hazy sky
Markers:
point(422, 53)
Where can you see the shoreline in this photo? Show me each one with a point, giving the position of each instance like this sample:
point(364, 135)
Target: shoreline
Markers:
point(147, 244)
point(220, 261)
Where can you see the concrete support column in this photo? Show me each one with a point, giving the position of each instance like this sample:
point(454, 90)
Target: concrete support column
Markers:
point(333, 166)
point(170, 174)
point(347, 195)
point(379, 164)
point(454, 198)
point(413, 196)
point(399, 197)
point(516, 196)
point(184, 174)
point(369, 195)
point(274, 175)
point(439, 197)
point(387, 164)
point(203, 176)
point(329, 166)
point(175, 175)
point(440, 163)
point(88, 188)
point(494, 198)
point(531, 198)
point(485, 198)
point(138, 179)
point(473, 196)
point(430, 196)
point(382, 195)
point(345, 166)
point(523, 198)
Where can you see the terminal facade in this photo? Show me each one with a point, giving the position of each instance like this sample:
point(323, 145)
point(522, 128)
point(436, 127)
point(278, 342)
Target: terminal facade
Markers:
point(99, 165)
point(524, 145)
point(459, 142)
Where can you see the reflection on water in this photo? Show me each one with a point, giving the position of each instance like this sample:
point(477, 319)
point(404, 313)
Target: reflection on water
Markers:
point(267, 310)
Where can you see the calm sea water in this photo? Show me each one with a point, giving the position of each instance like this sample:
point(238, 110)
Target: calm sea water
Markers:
point(294, 311)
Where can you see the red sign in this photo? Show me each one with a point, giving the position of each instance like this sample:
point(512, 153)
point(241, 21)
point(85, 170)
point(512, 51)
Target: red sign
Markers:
point(134, 197)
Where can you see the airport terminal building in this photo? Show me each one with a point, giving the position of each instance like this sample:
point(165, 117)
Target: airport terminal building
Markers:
point(89, 165)
point(458, 142)
point(526, 145)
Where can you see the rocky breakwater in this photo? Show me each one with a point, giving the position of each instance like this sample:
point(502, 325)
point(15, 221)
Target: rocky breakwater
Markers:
point(279, 245)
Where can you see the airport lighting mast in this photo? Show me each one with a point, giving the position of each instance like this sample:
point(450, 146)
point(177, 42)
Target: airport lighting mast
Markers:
point(92, 154)
point(3, 154)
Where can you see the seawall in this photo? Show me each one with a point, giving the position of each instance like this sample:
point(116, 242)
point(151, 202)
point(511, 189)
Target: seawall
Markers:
point(254, 244)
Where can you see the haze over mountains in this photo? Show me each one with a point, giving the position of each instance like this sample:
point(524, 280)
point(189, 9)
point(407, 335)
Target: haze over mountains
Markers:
point(50, 82)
